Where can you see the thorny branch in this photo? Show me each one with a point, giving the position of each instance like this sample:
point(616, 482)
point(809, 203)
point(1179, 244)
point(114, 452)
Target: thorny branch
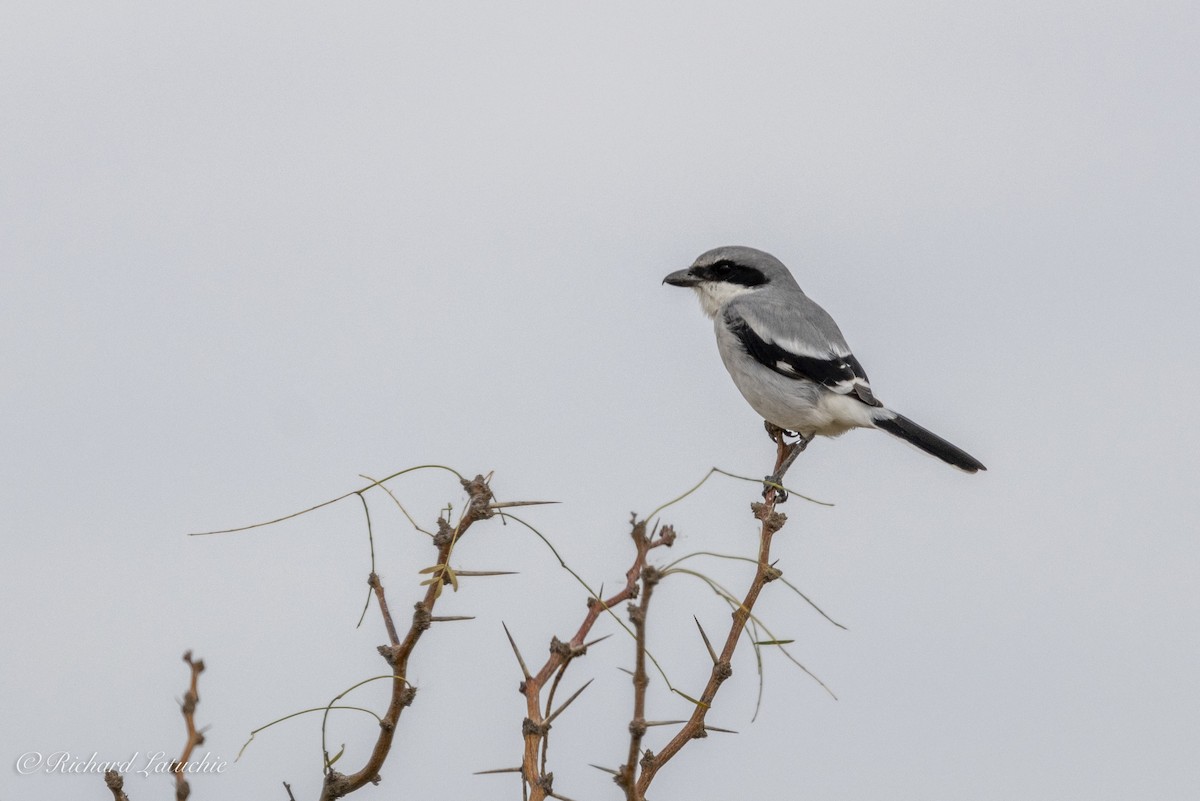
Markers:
point(116, 783)
point(195, 737)
point(640, 768)
point(637, 726)
point(536, 727)
point(722, 667)
point(397, 653)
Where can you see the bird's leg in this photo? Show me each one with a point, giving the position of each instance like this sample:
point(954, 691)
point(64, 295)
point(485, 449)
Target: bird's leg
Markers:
point(794, 450)
point(787, 453)
point(777, 435)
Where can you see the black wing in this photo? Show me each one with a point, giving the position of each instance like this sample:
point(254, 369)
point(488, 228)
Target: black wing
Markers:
point(841, 374)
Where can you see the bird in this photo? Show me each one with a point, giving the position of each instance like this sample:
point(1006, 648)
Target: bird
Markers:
point(789, 359)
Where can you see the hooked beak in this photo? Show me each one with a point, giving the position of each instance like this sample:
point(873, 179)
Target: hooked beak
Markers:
point(682, 278)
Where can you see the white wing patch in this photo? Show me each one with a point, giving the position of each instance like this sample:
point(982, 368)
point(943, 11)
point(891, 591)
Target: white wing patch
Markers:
point(800, 348)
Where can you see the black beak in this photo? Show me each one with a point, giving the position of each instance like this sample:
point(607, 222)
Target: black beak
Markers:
point(681, 278)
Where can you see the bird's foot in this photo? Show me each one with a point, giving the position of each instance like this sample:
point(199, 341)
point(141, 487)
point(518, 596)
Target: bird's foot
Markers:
point(787, 454)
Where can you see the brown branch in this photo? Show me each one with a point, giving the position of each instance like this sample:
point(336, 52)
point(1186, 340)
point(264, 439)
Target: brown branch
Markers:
point(535, 729)
point(398, 652)
point(195, 737)
point(637, 726)
point(114, 782)
point(558, 675)
point(722, 667)
point(377, 586)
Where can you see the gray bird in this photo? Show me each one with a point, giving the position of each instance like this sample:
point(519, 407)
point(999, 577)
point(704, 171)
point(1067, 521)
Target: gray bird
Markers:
point(788, 358)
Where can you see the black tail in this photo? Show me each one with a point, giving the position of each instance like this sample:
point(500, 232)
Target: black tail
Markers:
point(930, 442)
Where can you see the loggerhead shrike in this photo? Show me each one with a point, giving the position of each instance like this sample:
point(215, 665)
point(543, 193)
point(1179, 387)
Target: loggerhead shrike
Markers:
point(788, 358)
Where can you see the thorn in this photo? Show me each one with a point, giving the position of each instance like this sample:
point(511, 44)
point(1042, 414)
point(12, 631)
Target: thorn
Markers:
point(461, 573)
point(450, 618)
point(598, 639)
point(625, 670)
point(601, 767)
point(497, 770)
point(707, 644)
point(559, 796)
point(510, 504)
point(567, 703)
point(524, 670)
point(664, 722)
point(715, 728)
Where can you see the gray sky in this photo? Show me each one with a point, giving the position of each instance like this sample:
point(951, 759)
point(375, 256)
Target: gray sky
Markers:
point(250, 251)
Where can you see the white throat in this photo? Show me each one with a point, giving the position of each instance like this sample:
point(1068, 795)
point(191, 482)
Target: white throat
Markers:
point(715, 294)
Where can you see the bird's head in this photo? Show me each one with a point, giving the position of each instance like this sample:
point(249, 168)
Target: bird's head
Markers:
point(724, 273)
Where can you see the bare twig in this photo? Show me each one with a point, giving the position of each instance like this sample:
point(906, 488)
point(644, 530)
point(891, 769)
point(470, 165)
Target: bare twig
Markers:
point(398, 653)
point(115, 783)
point(558, 675)
point(782, 581)
point(627, 774)
point(377, 586)
point(195, 737)
point(722, 667)
point(535, 730)
point(331, 501)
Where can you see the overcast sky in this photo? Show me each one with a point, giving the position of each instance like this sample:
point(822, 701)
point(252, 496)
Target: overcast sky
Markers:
point(249, 251)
